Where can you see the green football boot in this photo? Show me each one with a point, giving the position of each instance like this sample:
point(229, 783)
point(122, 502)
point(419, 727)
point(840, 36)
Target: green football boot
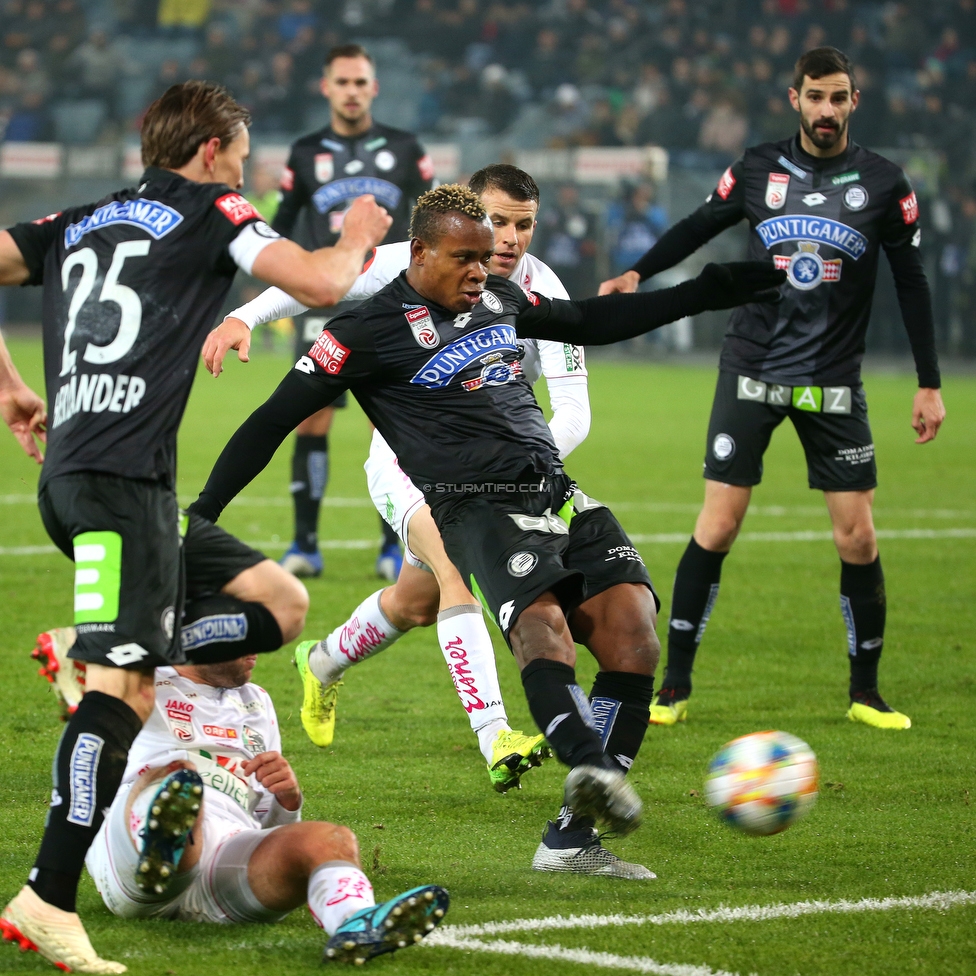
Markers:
point(513, 754)
point(319, 701)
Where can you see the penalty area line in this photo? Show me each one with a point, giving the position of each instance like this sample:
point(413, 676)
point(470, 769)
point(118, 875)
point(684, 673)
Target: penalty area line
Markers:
point(584, 957)
point(937, 900)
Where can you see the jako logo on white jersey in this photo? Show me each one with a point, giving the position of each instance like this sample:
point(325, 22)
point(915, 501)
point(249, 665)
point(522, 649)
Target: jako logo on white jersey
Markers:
point(152, 216)
point(221, 628)
point(439, 370)
point(776, 230)
point(95, 392)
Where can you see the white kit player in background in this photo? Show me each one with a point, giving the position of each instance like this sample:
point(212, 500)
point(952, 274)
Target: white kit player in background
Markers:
point(207, 827)
point(428, 582)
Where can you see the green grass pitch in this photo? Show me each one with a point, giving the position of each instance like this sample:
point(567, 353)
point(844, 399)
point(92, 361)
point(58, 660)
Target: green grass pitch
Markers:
point(896, 812)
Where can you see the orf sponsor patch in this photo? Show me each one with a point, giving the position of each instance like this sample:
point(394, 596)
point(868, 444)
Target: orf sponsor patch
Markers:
point(219, 732)
point(909, 208)
point(329, 353)
point(84, 771)
point(236, 209)
point(776, 187)
point(725, 184)
point(422, 326)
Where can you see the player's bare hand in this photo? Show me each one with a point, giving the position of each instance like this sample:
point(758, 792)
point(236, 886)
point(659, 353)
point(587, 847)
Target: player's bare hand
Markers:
point(739, 283)
point(928, 412)
point(623, 284)
point(230, 334)
point(365, 223)
point(23, 411)
point(274, 773)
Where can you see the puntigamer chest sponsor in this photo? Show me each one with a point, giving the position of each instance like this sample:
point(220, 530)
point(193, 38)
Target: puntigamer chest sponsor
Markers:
point(806, 268)
point(439, 370)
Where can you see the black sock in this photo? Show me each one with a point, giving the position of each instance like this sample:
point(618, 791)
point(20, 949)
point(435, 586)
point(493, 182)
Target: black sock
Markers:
point(309, 476)
point(88, 768)
point(390, 538)
point(561, 711)
point(862, 602)
point(620, 701)
point(695, 591)
point(221, 628)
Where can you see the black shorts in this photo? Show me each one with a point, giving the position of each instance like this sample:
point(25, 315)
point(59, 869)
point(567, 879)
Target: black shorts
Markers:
point(831, 421)
point(512, 548)
point(308, 327)
point(138, 560)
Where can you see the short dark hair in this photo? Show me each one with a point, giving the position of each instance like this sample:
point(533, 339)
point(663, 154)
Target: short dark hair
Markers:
point(347, 51)
point(425, 220)
point(507, 178)
point(819, 63)
point(186, 115)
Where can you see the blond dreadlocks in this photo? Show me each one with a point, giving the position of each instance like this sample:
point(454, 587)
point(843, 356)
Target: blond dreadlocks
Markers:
point(449, 198)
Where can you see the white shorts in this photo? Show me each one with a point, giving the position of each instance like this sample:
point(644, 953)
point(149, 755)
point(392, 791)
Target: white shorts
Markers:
point(215, 890)
point(395, 496)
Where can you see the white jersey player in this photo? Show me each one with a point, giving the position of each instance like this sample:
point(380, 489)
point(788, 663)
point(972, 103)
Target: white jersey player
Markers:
point(511, 198)
point(206, 826)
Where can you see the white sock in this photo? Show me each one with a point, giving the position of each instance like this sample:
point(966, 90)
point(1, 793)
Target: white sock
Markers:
point(486, 736)
point(365, 633)
point(466, 644)
point(336, 890)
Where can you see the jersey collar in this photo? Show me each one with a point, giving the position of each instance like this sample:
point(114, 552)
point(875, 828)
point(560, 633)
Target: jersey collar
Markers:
point(816, 162)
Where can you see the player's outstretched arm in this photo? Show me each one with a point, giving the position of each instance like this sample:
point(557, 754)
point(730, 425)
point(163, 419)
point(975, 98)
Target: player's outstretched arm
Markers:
point(22, 409)
point(612, 318)
point(321, 278)
point(253, 445)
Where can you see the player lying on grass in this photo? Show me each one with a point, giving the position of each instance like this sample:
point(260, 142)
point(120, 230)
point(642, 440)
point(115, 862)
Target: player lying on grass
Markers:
point(824, 207)
point(429, 582)
point(207, 827)
point(131, 286)
point(549, 564)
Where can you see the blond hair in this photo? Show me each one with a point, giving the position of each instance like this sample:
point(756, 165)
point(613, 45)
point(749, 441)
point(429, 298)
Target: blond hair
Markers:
point(433, 204)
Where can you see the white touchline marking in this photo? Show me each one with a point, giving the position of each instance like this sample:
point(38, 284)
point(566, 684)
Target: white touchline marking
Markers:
point(661, 538)
point(585, 957)
point(810, 535)
point(941, 900)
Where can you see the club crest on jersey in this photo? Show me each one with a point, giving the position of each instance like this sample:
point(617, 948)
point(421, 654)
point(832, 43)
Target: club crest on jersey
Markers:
point(491, 301)
point(776, 230)
point(422, 327)
point(152, 216)
point(805, 268)
point(324, 167)
point(439, 370)
point(776, 187)
point(253, 740)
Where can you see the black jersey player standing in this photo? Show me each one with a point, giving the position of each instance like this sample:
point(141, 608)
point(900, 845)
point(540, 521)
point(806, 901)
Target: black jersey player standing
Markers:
point(132, 284)
point(823, 207)
point(327, 170)
point(434, 361)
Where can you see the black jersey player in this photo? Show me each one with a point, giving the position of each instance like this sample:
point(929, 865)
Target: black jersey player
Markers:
point(326, 171)
point(823, 207)
point(434, 361)
point(132, 284)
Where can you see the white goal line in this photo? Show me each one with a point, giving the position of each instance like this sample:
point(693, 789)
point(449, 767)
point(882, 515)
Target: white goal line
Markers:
point(940, 900)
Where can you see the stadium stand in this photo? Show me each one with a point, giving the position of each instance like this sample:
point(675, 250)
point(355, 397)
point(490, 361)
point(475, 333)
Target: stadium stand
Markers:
point(539, 81)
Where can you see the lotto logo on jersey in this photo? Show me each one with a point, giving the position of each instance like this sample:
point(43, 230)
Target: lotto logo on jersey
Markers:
point(909, 208)
point(776, 187)
point(329, 353)
point(422, 327)
point(726, 183)
point(324, 167)
point(235, 208)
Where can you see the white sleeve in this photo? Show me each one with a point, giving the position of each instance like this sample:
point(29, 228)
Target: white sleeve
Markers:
point(570, 402)
point(271, 304)
point(250, 242)
point(386, 262)
point(276, 815)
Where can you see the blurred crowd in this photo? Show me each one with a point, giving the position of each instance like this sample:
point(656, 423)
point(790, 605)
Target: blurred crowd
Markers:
point(703, 78)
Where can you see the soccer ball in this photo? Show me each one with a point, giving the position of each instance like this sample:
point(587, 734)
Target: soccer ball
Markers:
point(763, 782)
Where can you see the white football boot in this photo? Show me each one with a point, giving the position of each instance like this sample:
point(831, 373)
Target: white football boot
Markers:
point(67, 677)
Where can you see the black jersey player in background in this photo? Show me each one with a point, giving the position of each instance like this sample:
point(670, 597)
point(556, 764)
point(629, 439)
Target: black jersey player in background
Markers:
point(132, 285)
point(326, 171)
point(434, 361)
point(823, 207)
